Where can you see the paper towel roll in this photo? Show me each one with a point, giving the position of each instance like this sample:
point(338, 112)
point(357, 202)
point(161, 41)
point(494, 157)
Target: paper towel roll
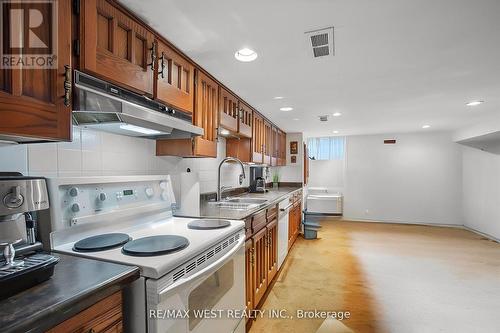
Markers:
point(189, 204)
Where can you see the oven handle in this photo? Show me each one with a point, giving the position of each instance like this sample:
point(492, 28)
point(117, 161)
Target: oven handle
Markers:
point(209, 269)
point(286, 208)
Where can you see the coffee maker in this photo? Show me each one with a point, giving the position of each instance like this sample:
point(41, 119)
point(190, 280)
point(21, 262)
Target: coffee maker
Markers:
point(23, 264)
point(257, 179)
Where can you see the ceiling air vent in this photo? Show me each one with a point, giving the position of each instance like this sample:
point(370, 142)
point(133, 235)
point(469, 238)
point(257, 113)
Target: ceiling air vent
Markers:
point(323, 118)
point(321, 42)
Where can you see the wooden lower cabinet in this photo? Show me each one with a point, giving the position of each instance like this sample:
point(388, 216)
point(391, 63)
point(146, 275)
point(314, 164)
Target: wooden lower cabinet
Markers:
point(259, 241)
point(106, 316)
point(249, 263)
point(294, 222)
point(272, 249)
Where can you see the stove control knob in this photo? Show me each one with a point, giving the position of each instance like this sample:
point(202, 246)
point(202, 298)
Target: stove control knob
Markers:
point(73, 191)
point(163, 185)
point(102, 197)
point(149, 192)
point(75, 208)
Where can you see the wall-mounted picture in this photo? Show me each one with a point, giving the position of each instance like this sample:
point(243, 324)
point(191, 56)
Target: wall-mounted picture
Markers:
point(293, 159)
point(294, 147)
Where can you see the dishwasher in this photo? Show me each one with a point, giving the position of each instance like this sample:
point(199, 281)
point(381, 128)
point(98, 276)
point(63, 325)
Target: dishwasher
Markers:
point(284, 207)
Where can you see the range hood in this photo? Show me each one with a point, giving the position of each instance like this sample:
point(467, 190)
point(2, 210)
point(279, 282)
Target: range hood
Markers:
point(102, 106)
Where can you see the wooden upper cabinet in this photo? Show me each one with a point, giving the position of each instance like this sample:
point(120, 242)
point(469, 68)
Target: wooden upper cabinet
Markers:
point(116, 47)
point(228, 111)
point(205, 115)
point(174, 83)
point(206, 107)
point(268, 142)
point(32, 100)
point(257, 138)
point(245, 120)
point(275, 146)
point(281, 144)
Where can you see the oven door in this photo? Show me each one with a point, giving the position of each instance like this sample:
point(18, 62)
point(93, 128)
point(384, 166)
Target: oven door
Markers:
point(218, 286)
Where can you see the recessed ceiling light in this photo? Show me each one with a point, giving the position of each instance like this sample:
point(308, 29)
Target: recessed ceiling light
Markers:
point(474, 103)
point(296, 119)
point(426, 126)
point(278, 97)
point(335, 132)
point(245, 55)
point(286, 108)
point(337, 114)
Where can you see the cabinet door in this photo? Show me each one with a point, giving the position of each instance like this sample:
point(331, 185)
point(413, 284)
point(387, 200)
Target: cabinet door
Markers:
point(257, 138)
point(282, 148)
point(32, 101)
point(116, 47)
point(245, 120)
point(205, 115)
point(102, 317)
point(249, 265)
point(174, 79)
point(274, 146)
point(228, 110)
point(268, 142)
point(260, 266)
point(272, 249)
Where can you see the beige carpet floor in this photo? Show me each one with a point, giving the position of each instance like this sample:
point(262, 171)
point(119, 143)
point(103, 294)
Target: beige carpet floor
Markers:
point(390, 278)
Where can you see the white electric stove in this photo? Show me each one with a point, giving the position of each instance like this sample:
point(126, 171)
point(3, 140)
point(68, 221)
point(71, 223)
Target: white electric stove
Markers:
point(186, 264)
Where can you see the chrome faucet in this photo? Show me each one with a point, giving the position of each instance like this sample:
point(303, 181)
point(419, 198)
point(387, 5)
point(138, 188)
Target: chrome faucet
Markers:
point(241, 177)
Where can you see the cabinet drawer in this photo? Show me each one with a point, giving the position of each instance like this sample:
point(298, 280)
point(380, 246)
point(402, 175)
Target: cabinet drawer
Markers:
point(259, 221)
point(105, 316)
point(272, 213)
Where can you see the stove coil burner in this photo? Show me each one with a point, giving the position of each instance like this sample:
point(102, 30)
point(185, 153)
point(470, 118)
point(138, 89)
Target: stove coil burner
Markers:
point(101, 242)
point(155, 245)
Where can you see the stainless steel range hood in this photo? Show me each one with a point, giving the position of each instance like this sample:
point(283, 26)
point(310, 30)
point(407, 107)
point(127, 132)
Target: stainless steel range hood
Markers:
point(103, 106)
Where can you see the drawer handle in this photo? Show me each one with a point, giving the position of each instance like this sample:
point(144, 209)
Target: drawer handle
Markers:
point(67, 85)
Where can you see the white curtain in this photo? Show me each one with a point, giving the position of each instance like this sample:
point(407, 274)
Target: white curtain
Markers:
point(326, 148)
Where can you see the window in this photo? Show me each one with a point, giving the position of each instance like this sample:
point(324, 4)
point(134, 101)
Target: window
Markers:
point(326, 148)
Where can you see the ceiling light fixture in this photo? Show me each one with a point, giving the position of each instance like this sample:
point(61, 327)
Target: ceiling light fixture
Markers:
point(426, 126)
point(335, 132)
point(296, 119)
point(337, 114)
point(245, 55)
point(286, 108)
point(474, 103)
point(278, 97)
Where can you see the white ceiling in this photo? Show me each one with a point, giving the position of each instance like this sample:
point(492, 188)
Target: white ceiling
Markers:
point(399, 64)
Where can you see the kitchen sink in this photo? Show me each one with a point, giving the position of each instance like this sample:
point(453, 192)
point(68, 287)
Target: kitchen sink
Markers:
point(247, 200)
point(234, 205)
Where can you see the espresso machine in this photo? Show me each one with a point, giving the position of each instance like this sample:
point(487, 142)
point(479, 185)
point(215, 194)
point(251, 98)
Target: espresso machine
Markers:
point(257, 179)
point(23, 264)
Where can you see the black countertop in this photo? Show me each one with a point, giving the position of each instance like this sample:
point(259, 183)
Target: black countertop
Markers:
point(273, 196)
point(77, 283)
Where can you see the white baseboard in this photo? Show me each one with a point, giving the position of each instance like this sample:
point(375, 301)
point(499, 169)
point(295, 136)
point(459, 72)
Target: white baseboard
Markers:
point(460, 226)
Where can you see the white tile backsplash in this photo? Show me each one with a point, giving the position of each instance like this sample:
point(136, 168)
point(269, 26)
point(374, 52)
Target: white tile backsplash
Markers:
point(95, 153)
